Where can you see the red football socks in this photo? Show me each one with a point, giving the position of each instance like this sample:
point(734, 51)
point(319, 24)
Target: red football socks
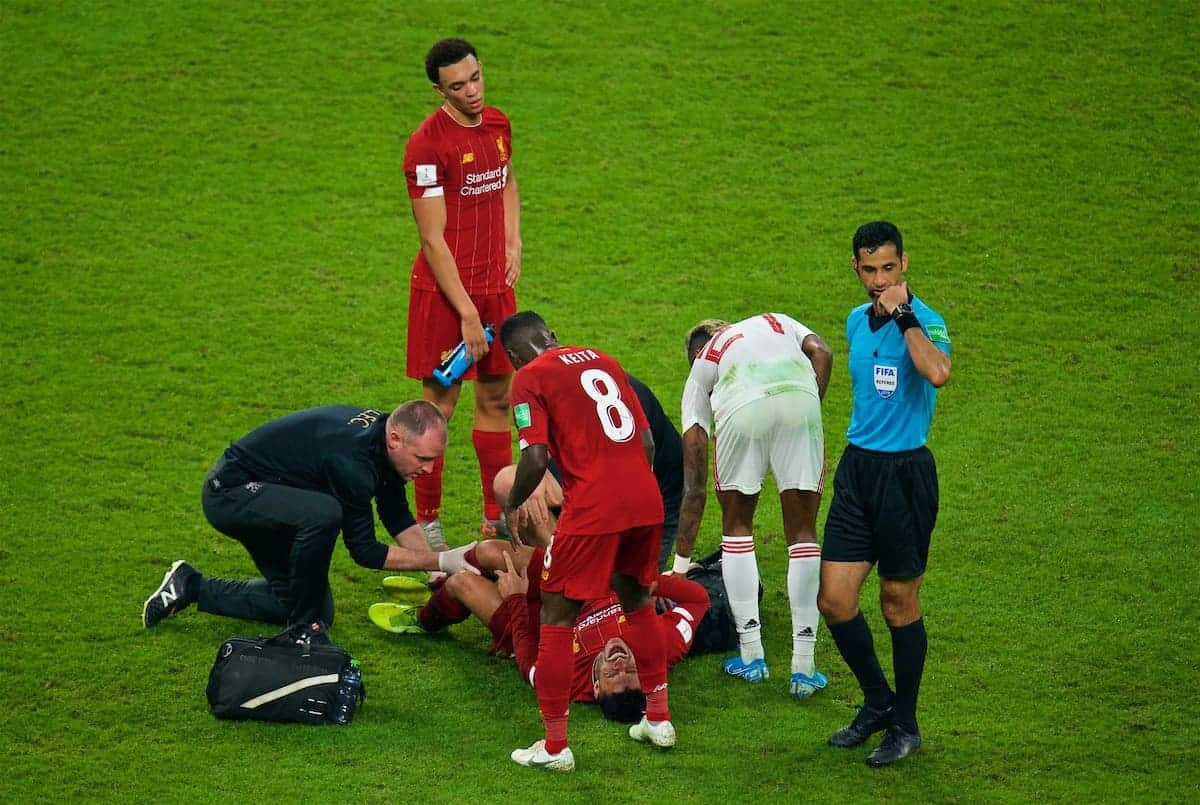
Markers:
point(645, 639)
point(441, 611)
point(428, 493)
point(553, 683)
point(494, 450)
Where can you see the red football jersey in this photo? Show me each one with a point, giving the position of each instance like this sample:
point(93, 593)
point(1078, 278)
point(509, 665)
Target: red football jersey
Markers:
point(578, 402)
point(599, 621)
point(681, 604)
point(468, 167)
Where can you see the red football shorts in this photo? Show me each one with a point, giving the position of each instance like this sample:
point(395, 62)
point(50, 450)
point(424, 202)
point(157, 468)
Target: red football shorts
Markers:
point(581, 566)
point(434, 329)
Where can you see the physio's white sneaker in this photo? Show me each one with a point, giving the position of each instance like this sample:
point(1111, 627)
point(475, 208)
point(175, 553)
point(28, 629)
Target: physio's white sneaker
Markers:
point(661, 734)
point(537, 757)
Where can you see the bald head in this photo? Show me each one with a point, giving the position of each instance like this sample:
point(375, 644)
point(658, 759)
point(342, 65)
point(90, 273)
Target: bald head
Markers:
point(416, 438)
point(416, 417)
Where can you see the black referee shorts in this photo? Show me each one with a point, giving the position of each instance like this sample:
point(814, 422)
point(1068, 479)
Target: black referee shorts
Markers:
point(883, 511)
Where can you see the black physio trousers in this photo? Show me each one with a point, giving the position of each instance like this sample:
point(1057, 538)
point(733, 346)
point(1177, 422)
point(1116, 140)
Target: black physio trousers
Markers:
point(290, 534)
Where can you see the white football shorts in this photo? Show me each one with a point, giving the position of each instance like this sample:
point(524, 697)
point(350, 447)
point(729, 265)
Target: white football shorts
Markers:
point(783, 433)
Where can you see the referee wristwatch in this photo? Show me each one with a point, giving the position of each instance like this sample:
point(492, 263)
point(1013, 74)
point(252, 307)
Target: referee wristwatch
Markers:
point(904, 317)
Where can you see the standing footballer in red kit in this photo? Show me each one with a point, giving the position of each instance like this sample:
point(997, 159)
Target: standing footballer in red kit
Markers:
point(464, 198)
point(576, 403)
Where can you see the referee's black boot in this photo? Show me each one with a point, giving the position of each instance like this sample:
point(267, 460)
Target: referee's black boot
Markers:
point(868, 722)
point(898, 743)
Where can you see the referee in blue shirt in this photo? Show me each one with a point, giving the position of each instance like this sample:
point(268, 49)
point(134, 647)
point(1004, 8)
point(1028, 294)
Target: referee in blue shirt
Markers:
point(885, 492)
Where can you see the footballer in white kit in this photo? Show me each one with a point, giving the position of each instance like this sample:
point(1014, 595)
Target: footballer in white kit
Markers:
point(754, 379)
point(760, 381)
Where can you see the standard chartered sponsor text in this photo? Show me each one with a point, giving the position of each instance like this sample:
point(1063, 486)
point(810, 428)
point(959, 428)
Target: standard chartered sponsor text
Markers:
point(494, 179)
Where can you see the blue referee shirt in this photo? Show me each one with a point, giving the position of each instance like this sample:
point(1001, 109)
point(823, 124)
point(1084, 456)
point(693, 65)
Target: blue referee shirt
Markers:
point(893, 403)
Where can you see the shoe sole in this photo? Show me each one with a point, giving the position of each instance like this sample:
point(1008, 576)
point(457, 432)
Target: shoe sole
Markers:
point(819, 681)
point(752, 678)
point(558, 764)
point(647, 739)
point(891, 762)
point(166, 579)
point(551, 766)
point(381, 615)
point(860, 742)
point(407, 589)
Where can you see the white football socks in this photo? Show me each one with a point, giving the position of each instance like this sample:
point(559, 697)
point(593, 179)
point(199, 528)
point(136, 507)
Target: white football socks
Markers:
point(803, 581)
point(739, 569)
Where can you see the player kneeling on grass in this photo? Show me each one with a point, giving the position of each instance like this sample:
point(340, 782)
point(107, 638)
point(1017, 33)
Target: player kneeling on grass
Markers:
point(604, 667)
point(288, 488)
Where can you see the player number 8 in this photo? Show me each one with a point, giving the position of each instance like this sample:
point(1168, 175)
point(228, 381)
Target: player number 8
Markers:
point(600, 386)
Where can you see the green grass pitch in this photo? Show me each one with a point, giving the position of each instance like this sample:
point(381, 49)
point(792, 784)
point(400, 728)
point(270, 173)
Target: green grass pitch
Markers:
point(203, 224)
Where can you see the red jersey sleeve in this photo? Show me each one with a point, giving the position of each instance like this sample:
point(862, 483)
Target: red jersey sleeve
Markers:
point(529, 410)
point(689, 603)
point(424, 167)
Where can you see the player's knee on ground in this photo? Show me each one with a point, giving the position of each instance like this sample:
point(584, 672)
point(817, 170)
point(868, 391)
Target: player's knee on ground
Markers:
point(626, 707)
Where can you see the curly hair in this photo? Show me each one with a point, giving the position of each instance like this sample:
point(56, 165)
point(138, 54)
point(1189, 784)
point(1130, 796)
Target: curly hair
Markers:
point(626, 707)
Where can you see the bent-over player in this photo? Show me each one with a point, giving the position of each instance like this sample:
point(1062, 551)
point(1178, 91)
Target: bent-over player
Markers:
point(762, 380)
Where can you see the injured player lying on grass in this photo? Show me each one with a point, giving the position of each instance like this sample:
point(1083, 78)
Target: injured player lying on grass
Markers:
point(506, 598)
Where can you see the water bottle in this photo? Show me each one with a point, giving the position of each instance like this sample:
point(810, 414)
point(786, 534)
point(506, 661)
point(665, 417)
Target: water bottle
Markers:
point(459, 360)
point(346, 697)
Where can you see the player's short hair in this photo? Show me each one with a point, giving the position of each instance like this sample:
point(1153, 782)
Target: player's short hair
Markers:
point(626, 707)
point(875, 234)
point(701, 333)
point(520, 325)
point(416, 417)
point(446, 53)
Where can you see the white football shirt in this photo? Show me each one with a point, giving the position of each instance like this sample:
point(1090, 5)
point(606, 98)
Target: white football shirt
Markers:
point(746, 361)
